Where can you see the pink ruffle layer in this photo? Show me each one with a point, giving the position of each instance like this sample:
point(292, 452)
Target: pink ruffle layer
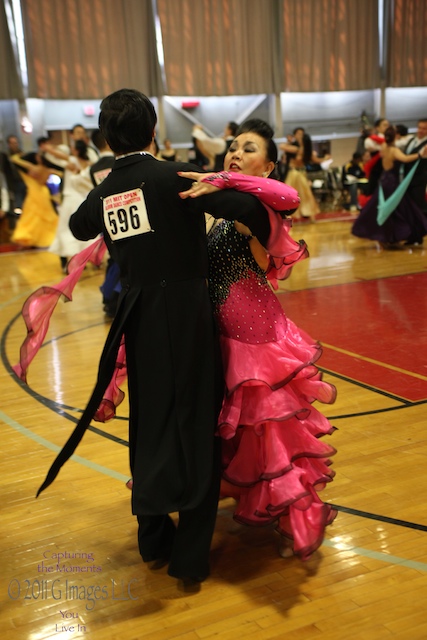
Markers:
point(274, 460)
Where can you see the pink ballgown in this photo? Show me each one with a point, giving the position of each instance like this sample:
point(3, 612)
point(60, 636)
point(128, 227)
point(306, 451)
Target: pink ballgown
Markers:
point(274, 460)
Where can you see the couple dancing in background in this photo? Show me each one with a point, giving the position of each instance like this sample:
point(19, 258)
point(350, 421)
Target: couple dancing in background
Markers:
point(44, 220)
point(37, 225)
point(273, 460)
point(406, 221)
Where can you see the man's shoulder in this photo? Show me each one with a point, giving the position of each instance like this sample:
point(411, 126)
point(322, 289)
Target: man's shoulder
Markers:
point(130, 175)
point(104, 161)
point(415, 143)
point(409, 140)
point(155, 168)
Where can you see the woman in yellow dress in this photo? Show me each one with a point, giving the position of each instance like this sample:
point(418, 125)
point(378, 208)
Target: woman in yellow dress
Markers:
point(299, 153)
point(38, 221)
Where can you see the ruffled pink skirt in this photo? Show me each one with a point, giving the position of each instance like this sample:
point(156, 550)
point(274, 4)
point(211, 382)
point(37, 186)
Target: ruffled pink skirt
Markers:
point(274, 462)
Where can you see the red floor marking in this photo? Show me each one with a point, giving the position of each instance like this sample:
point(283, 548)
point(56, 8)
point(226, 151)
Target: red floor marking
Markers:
point(384, 320)
point(394, 382)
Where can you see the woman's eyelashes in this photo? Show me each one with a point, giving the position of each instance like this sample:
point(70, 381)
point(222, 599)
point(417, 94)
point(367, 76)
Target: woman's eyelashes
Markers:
point(245, 149)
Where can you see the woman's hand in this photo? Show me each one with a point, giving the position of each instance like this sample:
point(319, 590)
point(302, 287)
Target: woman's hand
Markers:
point(198, 188)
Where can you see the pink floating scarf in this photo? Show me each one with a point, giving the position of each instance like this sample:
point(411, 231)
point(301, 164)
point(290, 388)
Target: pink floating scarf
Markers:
point(38, 308)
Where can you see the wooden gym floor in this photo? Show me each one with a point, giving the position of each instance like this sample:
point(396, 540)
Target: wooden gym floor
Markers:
point(70, 567)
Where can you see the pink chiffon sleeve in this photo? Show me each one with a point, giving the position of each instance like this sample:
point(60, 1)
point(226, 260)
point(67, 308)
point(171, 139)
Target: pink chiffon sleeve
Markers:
point(273, 193)
point(283, 250)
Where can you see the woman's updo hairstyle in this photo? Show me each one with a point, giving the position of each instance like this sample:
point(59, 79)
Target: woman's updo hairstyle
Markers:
point(390, 135)
point(264, 130)
point(82, 149)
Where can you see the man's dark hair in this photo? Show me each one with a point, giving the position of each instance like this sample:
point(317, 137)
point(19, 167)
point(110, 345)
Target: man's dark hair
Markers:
point(401, 129)
point(127, 120)
point(98, 139)
point(233, 126)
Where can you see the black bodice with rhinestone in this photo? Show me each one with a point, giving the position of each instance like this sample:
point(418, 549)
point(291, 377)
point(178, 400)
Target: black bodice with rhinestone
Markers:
point(230, 259)
point(246, 308)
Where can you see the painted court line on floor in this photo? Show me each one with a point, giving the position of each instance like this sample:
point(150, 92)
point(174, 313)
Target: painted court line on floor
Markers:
point(376, 555)
point(53, 447)
point(367, 553)
point(412, 374)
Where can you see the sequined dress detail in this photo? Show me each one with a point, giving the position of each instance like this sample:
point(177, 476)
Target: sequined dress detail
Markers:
point(274, 459)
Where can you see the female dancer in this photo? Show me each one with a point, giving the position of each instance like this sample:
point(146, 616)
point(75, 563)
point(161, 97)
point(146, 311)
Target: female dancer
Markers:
point(273, 460)
point(407, 220)
point(75, 190)
point(38, 222)
point(299, 153)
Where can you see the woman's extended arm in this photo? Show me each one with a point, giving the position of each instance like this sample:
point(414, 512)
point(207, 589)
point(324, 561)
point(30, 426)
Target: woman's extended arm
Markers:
point(275, 194)
point(288, 147)
point(402, 157)
point(20, 162)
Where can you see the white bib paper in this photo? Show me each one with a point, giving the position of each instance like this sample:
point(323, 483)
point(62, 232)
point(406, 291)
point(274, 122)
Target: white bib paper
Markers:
point(125, 215)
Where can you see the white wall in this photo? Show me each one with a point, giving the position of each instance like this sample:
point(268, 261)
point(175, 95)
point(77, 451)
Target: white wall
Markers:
point(326, 116)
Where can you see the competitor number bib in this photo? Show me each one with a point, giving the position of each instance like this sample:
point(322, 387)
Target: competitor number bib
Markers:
point(125, 215)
